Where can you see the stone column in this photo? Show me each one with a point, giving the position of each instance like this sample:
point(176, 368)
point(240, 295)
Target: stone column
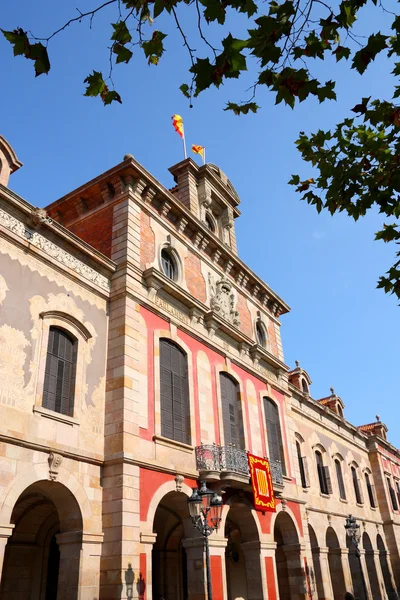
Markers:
point(325, 583)
point(89, 578)
point(196, 568)
point(268, 570)
point(365, 574)
point(295, 565)
point(346, 569)
point(147, 541)
point(252, 553)
point(218, 567)
point(70, 546)
point(5, 533)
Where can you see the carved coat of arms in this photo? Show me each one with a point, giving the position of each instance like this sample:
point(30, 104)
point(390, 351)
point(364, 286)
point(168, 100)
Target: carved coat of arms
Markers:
point(223, 301)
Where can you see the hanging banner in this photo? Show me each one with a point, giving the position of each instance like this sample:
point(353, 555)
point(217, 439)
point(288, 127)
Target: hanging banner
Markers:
point(261, 482)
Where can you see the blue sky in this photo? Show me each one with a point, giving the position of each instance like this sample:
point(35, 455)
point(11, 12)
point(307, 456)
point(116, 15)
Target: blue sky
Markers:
point(344, 332)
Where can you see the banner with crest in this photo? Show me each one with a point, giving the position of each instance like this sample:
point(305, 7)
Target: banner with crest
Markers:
point(261, 482)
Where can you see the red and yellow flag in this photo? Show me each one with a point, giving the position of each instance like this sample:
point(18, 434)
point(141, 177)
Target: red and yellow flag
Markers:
point(198, 150)
point(261, 482)
point(177, 122)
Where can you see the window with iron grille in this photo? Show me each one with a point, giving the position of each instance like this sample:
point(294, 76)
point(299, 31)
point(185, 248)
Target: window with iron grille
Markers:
point(275, 442)
point(356, 485)
point(339, 476)
point(169, 265)
point(231, 415)
point(174, 393)
point(59, 380)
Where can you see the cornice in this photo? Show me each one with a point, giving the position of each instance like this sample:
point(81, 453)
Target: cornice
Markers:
point(29, 211)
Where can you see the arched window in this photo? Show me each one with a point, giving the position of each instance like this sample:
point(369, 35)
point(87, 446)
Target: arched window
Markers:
point(59, 379)
point(370, 490)
point(340, 411)
point(392, 493)
point(169, 265)
point(302, 467)
point(260, 334)
point(231, 415)
point(339, 476)
point(209, 222)
point(323, 474)
point(174, 393)
point(304, 386)
point(275, 443)
point(356, 484)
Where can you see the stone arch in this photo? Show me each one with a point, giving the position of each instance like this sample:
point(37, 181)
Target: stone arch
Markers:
point(280, 509)
point(242, 554)
point(40, 473)
point(289, 567)
point(163, 490)
point(315, 551)
point(371, 567)
point(43, 554)
point(176, 548)
point(335, 564)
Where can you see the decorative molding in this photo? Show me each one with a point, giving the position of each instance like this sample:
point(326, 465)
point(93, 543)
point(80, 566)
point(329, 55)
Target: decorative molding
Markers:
point(55, 461)
point(179, 482)
point(55, 252)
point(222, 301)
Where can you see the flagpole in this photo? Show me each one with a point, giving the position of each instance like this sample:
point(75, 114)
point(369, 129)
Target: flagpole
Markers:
point(204, 155)
point(184, 145)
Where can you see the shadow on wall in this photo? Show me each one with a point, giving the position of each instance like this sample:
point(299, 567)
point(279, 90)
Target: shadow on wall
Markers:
point(130, 581)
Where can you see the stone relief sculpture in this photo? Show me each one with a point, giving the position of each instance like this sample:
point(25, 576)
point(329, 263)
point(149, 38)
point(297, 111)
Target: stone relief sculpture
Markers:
point(12, 360)
point(222, 301)
point(51, 249)
point(92, 414)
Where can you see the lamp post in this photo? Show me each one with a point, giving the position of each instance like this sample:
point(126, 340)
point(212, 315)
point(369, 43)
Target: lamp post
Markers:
point(205, 508)
point(354, 534)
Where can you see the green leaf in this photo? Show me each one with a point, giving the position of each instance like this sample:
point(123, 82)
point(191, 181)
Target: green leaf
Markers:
point(203, 72)
point(214, 11)
point(19, 39)
point(154, 47)
point(124, 55)
point(121, 33)
point(242, 109)
point(22, 47)
point(185, 90)
point(159, 6)
point(38, 53)
point(341, 52)
point(111, 96)
point(95, 84)
point(295, 180)
point(376, 43)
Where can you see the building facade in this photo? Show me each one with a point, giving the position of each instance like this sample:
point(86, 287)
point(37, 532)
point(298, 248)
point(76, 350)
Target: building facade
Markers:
point(138, 355)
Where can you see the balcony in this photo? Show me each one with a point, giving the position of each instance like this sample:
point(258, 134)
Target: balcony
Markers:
point(229, 463)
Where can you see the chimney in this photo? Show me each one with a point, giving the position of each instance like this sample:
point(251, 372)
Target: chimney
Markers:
point(186, 178)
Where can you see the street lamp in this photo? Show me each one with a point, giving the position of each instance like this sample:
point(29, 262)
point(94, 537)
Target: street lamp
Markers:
point(354, 534)
point(205, 508)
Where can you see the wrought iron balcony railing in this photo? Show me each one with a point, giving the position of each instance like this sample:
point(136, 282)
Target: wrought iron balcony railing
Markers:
point(220, 459)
